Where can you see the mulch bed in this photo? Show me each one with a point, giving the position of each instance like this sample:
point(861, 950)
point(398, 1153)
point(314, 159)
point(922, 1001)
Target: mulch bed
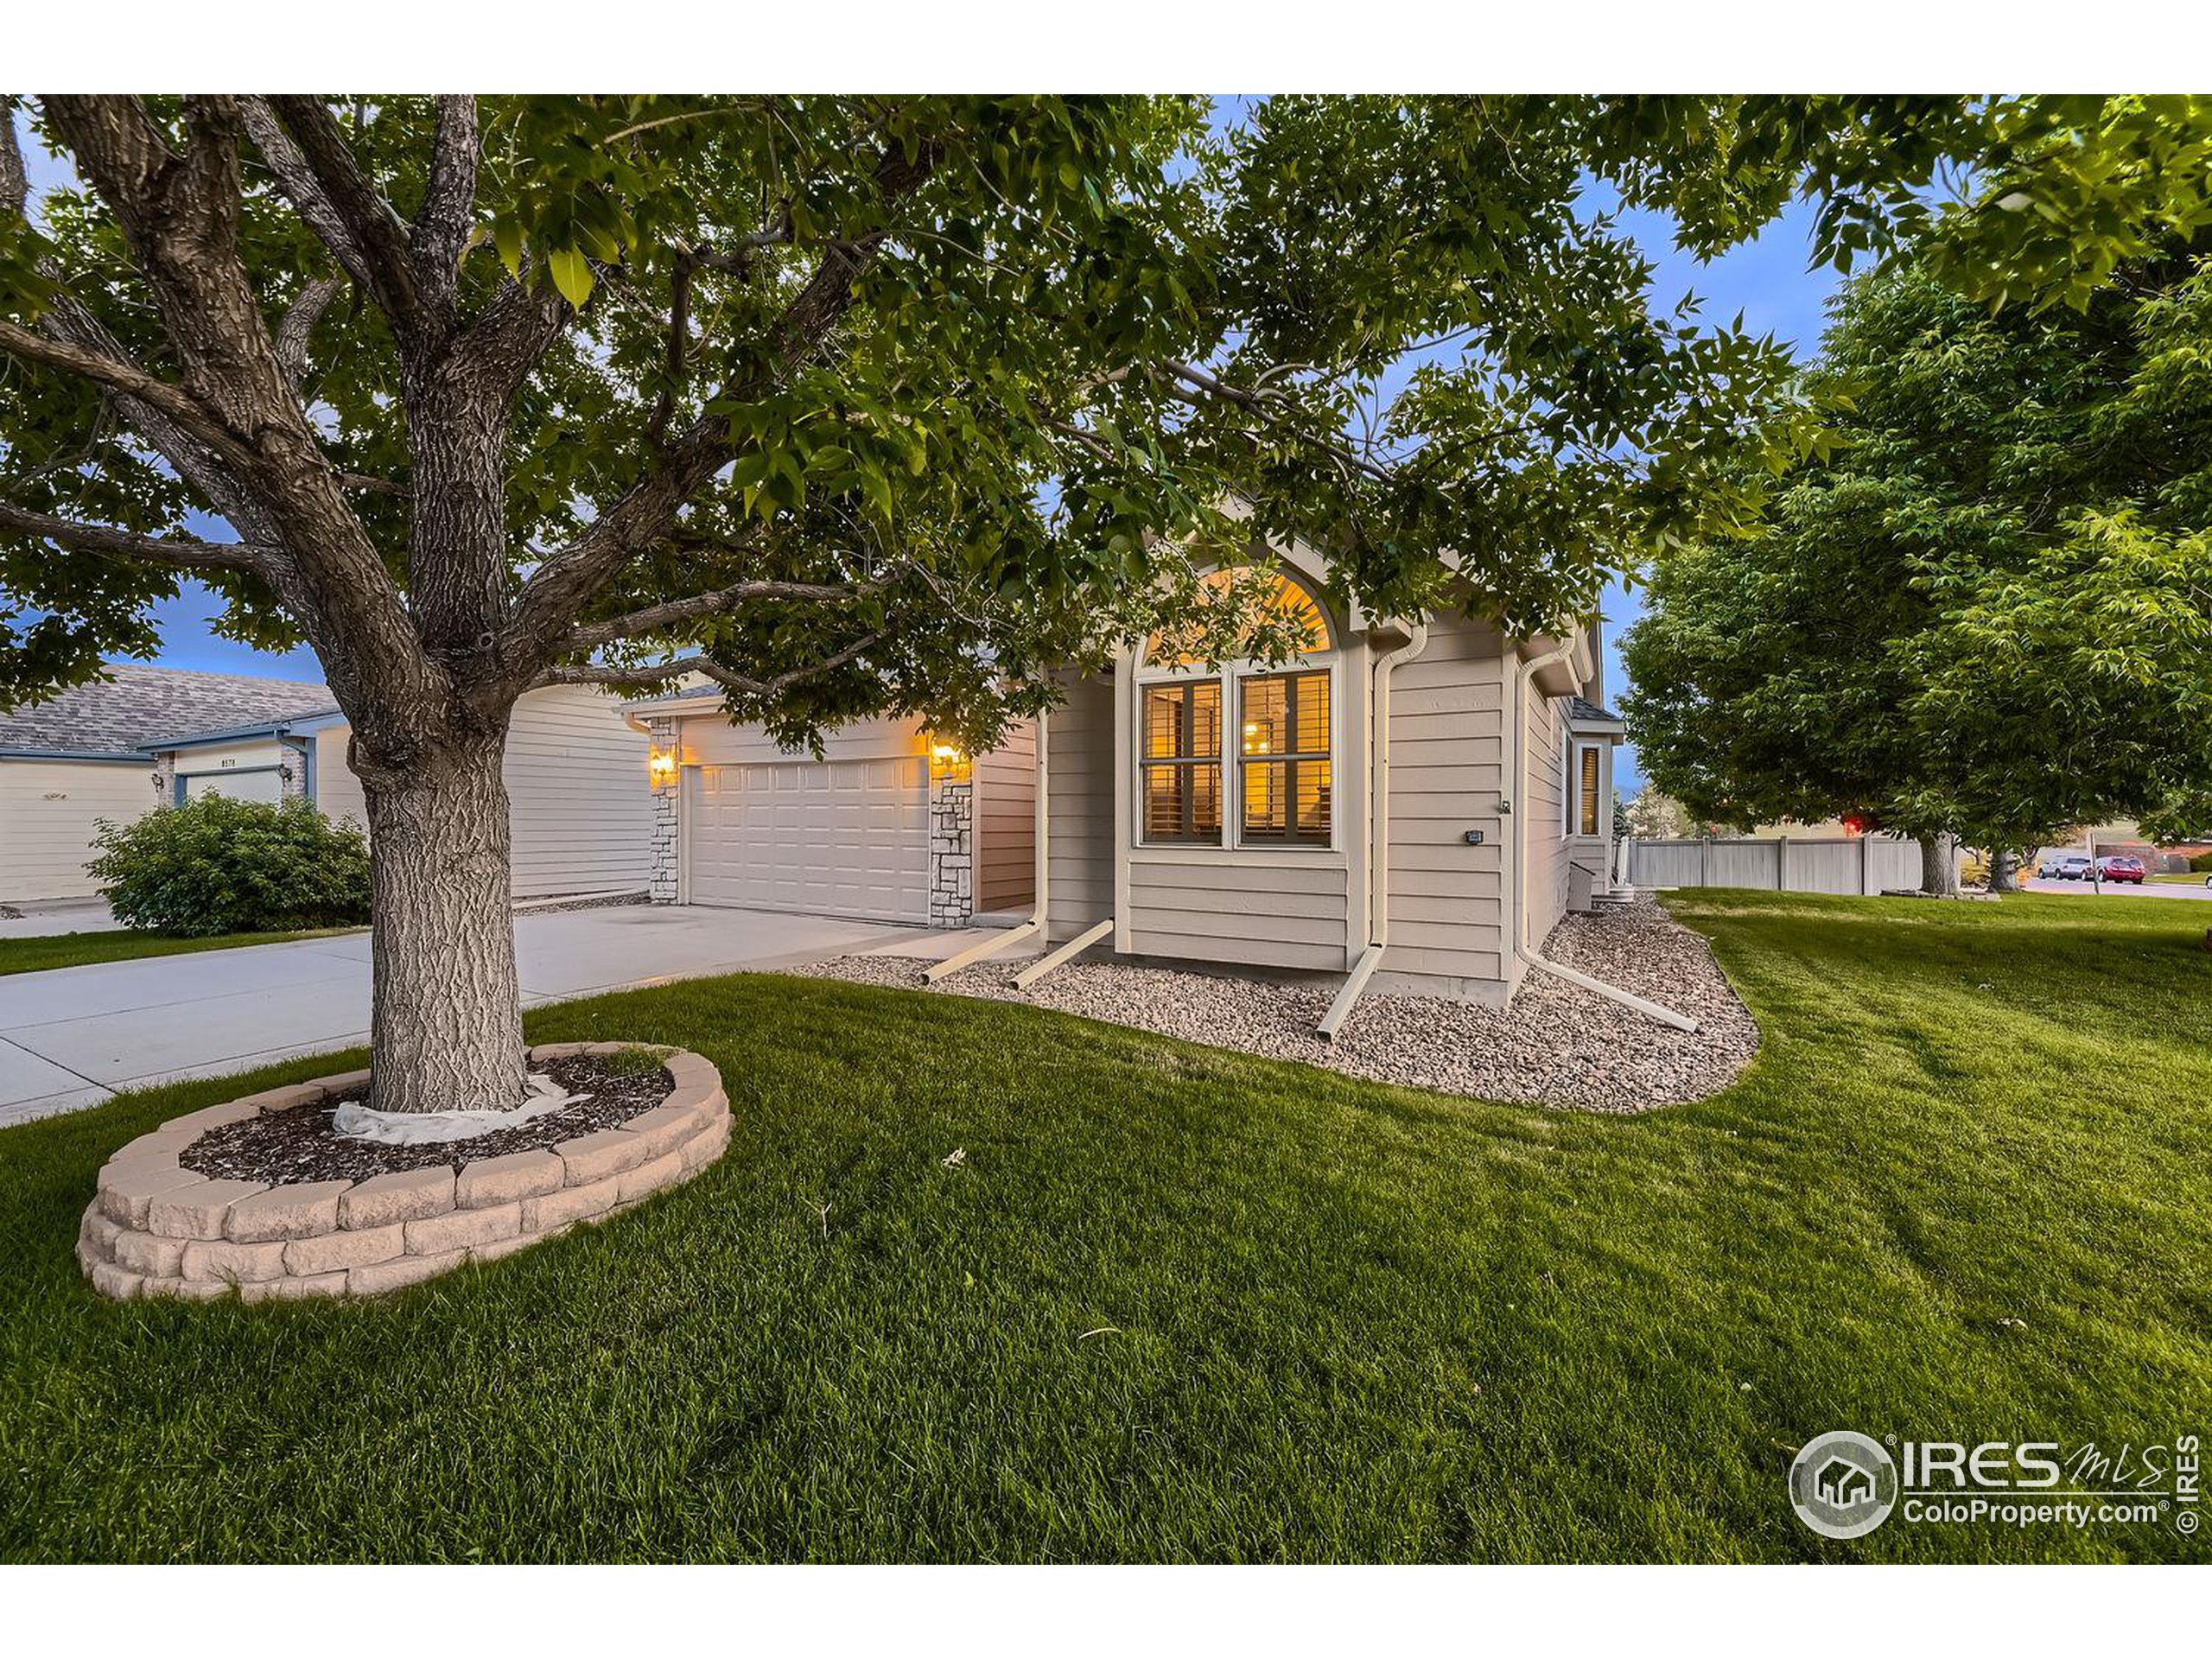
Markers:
point(299, 1145)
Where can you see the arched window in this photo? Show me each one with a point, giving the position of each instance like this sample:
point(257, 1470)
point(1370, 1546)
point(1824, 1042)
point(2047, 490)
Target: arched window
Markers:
point(1278, 790)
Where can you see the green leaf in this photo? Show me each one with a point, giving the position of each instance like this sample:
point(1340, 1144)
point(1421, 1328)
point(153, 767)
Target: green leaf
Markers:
point(572, 275)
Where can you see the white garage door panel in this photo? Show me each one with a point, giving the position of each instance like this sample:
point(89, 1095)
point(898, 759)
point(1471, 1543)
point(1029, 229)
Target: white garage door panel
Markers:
point(834, 838)
point(237, 786)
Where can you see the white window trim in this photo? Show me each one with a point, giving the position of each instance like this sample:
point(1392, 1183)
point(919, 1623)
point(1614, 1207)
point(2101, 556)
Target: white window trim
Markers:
point(1231, 675)
point(1572, 822)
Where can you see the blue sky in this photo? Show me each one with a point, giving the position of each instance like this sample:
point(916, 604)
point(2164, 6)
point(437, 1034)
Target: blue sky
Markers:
point(1768, 280)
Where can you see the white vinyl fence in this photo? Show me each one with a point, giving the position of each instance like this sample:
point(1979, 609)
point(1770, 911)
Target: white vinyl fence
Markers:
point(1858, 864)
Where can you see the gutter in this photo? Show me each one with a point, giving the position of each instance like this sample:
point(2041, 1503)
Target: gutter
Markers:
point(1378, 862)
point(1520, 677)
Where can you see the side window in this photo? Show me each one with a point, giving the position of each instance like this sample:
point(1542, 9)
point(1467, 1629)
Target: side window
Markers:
point(1182, 762)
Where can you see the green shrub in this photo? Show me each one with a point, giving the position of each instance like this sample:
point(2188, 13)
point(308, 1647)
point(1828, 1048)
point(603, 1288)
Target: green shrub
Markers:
point(2201, 862)
point(218, 866)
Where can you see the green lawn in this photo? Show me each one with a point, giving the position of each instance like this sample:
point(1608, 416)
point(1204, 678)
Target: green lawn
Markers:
point(75, 949)
point(2179, 879)
point(1179, 1303)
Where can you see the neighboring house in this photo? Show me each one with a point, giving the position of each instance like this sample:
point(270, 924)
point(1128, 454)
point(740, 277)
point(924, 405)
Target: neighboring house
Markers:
point(886, 825)
point(1417, 803)
point(82, 755)
point(146, 737)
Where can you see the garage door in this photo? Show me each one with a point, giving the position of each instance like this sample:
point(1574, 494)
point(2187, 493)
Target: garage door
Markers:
point(263, 785)
point(832, 837)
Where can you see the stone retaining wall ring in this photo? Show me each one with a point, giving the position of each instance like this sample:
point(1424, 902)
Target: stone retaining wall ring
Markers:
point(156, 1229)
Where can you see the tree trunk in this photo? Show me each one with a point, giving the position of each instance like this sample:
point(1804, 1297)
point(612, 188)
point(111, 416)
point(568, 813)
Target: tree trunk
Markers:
point(1939, 866)
point(2003, 867)
point(446, 1020)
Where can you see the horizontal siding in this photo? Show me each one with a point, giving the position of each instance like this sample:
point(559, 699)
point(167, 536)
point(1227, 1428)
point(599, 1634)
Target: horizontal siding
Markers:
point(1248, 953)
point(337, 791)
point(48, 810)
point(578, 797)
point(1275, 913)
point(229, 757)
point(579, 808)
point(1446, 774)
point(1006, 822)
point(1080, 763)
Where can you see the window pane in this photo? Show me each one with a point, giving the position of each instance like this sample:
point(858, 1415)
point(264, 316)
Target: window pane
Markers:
point(1183, 722)
point(1183, 803)
point(1288, 598)
point(1286, 801)
point(1587, 818)
point(1285, 714)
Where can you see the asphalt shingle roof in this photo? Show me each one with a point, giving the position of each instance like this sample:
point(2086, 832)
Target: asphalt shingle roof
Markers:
point(140, 704)
point(1583, 709)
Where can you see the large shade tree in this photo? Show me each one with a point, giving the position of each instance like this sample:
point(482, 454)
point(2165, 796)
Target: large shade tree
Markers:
point(1984, 610)
point(847, 404)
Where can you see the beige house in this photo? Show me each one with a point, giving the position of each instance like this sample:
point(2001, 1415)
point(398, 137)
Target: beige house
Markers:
point(148, 737)
point(1411, 805)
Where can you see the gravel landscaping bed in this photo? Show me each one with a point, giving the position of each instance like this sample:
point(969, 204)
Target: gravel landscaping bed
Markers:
point(1558, 1044)
point(299, 1145)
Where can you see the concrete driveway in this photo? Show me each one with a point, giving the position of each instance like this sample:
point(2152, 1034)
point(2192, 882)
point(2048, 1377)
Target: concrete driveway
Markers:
point(73, 1037)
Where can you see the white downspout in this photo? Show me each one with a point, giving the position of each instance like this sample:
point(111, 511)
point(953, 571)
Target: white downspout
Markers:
point(1520, 678)
point(1378, 860)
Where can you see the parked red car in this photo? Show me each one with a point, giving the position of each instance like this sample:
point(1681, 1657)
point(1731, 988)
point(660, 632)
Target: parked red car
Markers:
point(2121, 869)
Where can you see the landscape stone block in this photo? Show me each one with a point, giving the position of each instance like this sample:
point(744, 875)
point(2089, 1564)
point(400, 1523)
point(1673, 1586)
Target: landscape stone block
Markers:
point(570, 1205)
point(404, 1195)
point(199, 1211)
point(309, 1258)
point(401, 1271)
point(229, 1263)
point(504, 1179)
point(441, 1234)
point(595, 1156)
point(648, 1178)
point(291, 1212)
point(126, 1196)
point(157, 1258)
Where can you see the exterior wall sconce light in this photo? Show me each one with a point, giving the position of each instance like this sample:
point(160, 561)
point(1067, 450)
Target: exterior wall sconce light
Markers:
point(660, 765)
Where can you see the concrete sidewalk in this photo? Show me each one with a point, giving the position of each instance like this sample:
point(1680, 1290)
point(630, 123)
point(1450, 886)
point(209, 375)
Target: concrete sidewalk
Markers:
point(71, 1037)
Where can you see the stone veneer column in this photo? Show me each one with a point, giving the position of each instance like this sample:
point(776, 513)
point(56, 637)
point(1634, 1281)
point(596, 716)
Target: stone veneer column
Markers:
point(952, 842)
point(165, 778)
point(293, 777)
point(662, 883)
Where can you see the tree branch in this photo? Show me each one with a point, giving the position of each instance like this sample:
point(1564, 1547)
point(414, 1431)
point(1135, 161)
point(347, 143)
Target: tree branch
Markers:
point(654, 618)
point(175, 402)
point(296, 181)
point(441, 233)
point(370, 225)
point(561, 587)
point(179, 553)
point(298, 323)
point(14, 178)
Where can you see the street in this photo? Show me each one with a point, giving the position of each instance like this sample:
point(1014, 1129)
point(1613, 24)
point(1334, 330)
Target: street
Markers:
point(2195, 889)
